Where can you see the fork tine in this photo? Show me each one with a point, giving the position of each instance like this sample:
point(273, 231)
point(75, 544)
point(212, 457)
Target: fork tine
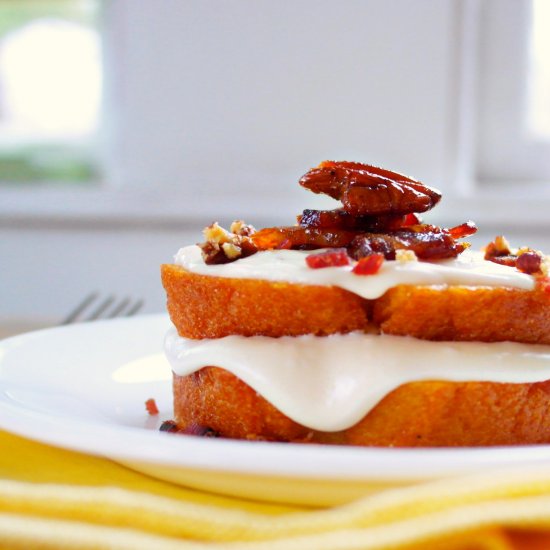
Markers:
point(119, 308)
point(107, 308)
point(101, 308)
point(73, 315)
point(135, 308)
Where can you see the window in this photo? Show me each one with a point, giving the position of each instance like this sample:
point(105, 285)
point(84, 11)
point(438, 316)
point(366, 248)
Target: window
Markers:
point(514, 91)
point(50, 90)
point(539, 72)
point(235, 101)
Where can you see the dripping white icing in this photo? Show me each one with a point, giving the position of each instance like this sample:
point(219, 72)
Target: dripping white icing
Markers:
point(330, 383)
point(469, 269)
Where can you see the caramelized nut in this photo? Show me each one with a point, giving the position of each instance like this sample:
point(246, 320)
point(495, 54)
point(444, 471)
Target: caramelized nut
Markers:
point(529, 262)
point(369, 190)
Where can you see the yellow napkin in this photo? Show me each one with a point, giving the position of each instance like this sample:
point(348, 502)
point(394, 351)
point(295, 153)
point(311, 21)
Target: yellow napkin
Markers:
point(52, 498)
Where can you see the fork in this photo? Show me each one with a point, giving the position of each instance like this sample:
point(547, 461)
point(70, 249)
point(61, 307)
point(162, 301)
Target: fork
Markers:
point(94, 307)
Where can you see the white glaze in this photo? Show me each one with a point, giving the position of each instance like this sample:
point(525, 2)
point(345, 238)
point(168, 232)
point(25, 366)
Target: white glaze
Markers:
point(330, 383)
point(469, 269)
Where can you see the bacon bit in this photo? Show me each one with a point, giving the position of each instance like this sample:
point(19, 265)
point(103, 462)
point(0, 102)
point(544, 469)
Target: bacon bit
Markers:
point(330, 258)
point(369, 265)
point(151, 407)
point(411, 219)
point(462, 230)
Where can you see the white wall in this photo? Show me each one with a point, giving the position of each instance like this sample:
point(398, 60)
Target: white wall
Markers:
point(255, 91)
point(46, 272)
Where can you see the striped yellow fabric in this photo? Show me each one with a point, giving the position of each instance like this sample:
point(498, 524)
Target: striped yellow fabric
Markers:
point(53, 498)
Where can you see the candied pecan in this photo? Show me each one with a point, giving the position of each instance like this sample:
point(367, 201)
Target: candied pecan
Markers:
point(302, 238)
point(529, 262)
point(369, 190)
point(426, 241)
point(340, 219)
point(367, 244)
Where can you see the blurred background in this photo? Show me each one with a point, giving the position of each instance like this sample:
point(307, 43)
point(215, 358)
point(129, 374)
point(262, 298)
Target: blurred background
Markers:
point(126, 126)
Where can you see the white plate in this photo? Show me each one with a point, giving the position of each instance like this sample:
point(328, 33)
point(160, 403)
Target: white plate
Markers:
point(83, 387)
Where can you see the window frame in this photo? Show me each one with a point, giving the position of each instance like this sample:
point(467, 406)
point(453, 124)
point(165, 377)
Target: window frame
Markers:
point(478, 188)
point(504, 50)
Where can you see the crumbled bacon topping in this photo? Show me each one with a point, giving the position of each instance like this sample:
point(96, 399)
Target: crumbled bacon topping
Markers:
point(369, 265)
point(151, 407)
point(330, 258)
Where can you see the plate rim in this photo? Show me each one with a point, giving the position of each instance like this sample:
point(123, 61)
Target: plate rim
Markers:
point(290, 460)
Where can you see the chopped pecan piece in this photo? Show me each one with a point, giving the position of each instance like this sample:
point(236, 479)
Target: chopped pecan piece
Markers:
point(367, 190)
point(367, 244)
point(529, 262)
point(222, 246)
point(525, 259)
point(238, 227)
point(497, 249)
point(404, 256)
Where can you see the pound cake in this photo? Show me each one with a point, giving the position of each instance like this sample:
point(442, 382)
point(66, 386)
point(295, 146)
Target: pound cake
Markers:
point(360, 325)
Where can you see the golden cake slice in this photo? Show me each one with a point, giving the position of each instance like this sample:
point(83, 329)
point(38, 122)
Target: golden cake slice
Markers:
point(360, 326)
